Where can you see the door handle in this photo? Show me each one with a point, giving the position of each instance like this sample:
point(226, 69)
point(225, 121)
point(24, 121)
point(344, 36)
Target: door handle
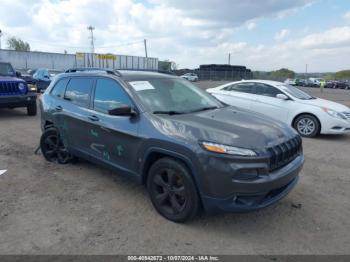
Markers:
point(93, 118)
point(58, 108)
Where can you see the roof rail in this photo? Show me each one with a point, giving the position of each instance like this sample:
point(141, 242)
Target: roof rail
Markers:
point(87, 69)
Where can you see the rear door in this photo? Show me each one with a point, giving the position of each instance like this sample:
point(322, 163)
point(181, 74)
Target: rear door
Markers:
point(75, 108)
point(267, 103)
point(113, 139)
point(239, 94)
point(55, 106)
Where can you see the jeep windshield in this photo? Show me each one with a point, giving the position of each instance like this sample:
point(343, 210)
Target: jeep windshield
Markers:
point(6, 69)
point(173, 96)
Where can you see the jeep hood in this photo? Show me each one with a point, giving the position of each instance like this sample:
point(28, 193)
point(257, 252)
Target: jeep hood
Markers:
point(10, 79)
point(228, 125)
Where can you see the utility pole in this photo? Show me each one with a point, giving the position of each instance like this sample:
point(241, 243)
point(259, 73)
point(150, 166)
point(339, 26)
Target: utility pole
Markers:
point(92, 39)
point(229, 58)
point(145, 43)
point(305, 71)
point(0, 37)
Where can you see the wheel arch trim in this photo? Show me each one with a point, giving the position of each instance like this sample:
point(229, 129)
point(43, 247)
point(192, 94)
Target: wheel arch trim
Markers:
point(168, 153)
point(306, 113)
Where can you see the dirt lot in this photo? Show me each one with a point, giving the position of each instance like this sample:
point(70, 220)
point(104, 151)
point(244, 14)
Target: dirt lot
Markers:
point(84, 209)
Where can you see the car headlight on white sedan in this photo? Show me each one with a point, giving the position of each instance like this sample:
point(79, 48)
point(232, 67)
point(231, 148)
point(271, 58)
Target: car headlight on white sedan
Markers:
point(334, 113)
point(225, 149)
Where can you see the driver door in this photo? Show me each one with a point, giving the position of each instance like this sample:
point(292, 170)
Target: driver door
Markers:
point(113, 139)
point(267, 103)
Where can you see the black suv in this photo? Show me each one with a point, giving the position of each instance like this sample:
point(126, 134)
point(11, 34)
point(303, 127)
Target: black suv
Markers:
point(189, 149)
point(15, 92)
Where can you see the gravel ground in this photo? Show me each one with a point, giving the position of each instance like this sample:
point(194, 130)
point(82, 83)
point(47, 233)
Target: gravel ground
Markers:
point(47, 208)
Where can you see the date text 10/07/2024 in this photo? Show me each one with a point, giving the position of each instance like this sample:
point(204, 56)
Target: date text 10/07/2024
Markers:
point(173, 258)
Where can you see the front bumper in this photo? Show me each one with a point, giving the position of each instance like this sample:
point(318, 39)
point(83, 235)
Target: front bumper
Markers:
point(331, 125)
point(251, 194)
point(18, 100)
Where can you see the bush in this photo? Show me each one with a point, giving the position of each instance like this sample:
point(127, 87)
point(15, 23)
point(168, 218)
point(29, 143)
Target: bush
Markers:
point(344, 74)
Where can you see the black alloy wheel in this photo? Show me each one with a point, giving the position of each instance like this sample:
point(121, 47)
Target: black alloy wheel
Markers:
point(53, 148)
point(172, 190)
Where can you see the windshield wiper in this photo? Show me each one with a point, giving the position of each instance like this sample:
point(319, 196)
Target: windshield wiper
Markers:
point(204, 108)
point(171, 112)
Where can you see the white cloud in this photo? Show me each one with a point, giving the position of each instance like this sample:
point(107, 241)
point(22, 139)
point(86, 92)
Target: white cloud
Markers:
point(332, 38)
point(250, 25)
point(280, 35)
point(347, 16)
point(187, 32)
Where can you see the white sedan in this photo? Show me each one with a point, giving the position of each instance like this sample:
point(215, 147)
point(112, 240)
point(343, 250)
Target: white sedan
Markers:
point(190, 77)
point(309, 115)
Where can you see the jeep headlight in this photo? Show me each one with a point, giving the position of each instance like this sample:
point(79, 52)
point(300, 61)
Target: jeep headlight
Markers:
point(21, 87)
point(334, 113)
point(225, 149)
point(32, 87)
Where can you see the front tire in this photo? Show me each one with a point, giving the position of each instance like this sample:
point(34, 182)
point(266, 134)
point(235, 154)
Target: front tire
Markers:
point(172, 190)
point(52, 147)
point(31, 109)
point(307, 125)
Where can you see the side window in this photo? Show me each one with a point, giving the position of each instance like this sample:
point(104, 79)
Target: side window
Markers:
point(108, 95)
point(266, 90)
point(60, 86)
point(78, 91)
point(241, 87)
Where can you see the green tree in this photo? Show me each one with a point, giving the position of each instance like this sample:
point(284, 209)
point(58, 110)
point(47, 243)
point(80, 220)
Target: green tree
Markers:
point(329, 76)
point(17, 44)
point(164, 65)
point(344, 74)
point(282, 74)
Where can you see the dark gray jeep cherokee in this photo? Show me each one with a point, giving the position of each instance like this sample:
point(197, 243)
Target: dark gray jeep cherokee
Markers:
point(189, 149)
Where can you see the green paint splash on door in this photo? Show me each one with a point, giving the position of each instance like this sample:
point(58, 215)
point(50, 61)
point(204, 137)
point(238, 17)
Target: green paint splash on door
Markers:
point(105, 155)
point(119, 150)
point(93, 133)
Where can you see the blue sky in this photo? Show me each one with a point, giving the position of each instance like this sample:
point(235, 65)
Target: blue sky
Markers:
point(314, 18)
point(261, 34)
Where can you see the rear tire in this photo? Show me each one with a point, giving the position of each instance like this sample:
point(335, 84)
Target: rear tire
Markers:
point(307, 125)
point(31, 109)
point(172, 190)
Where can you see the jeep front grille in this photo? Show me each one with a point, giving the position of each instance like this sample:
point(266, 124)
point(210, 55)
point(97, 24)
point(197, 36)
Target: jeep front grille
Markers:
point(9, 88)
point(282, 154)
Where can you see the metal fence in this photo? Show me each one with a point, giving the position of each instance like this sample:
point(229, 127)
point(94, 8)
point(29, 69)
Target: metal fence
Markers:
point(55, 61)
point(223, 75)
point(116, 61)
point(215, 75)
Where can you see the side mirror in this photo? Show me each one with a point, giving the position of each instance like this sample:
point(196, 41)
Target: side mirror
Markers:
point(282, 96)
point(123, 110)
point(18, 74)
